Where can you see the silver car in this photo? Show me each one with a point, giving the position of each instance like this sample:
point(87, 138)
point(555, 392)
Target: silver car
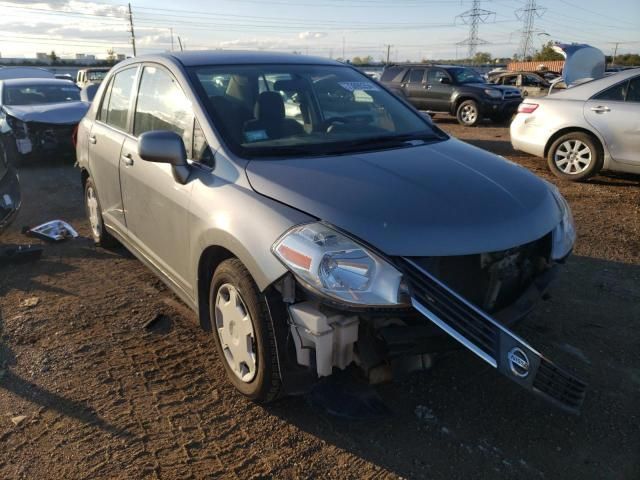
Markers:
point(352, 234)
point(584, 129)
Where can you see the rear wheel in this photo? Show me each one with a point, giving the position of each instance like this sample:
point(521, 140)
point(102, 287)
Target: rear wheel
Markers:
point(101, 236)
point(468, 113)
point(575, 156)
point(242, 331)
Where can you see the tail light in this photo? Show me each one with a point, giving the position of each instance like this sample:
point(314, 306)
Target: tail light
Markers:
point(527, 107)
point(74, 136)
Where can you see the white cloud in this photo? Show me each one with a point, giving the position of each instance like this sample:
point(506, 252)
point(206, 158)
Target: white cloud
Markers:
point(311, 35)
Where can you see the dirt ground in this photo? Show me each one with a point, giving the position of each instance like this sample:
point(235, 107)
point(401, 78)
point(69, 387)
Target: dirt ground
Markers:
point(87, 392)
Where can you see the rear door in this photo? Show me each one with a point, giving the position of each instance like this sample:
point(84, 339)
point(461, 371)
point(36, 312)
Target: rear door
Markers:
point(156, 206)
point(438, 94)
point(414, 87)
point(105, 144)
point(615, 113)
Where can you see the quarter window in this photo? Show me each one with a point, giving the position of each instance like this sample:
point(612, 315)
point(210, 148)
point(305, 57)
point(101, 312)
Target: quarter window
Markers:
point(162, 105)
point(119, 98)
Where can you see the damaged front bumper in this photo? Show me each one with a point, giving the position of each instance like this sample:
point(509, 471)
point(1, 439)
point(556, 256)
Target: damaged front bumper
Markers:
point(38, 139)
point(385, 344)
point(10, 197)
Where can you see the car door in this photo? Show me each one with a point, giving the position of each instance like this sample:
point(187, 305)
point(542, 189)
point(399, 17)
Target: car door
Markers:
point(531, 85)
point(439, 90)
point(105, 144)
point(155, 205)
point(414, 87)
point(615, 113)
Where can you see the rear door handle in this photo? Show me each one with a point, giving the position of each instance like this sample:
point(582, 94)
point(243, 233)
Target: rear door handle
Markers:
point(127, 160)
point(92, 139)
point(600, 109)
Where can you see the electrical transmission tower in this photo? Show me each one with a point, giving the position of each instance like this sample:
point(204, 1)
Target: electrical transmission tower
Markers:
point(528, 14)
point(474, 17)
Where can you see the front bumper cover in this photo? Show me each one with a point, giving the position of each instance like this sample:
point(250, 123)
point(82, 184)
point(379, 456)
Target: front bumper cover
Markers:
point(494, 343)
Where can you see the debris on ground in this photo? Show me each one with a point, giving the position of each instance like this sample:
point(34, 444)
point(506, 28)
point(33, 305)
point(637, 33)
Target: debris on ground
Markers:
point(18, 420)
point(30, 302)
point(425, 414)
point(161, 323)
point(19, 253)
point(53, 231)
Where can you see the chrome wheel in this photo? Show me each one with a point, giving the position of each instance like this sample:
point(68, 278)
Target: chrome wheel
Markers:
point(235, 332)
point(469, 114)
point(92, 210)
point(573, 157)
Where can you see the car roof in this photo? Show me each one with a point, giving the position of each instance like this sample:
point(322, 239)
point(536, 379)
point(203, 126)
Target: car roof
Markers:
point(233, 57)
point(95, 69)
point(425, 65)
point(36, 81)
point(588, 89)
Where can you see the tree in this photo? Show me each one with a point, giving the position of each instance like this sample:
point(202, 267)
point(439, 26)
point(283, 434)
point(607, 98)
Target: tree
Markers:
point(362, 60)
point(547, 53)
point(53, 57)
point(481, 58)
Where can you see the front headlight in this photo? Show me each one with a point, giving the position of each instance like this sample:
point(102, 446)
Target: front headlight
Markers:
point(564, 235)
point(338, 267)
point(493, 93)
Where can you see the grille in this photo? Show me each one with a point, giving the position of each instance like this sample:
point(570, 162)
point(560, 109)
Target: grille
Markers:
point(559, 385)
point(512, 94)
point(490, 340)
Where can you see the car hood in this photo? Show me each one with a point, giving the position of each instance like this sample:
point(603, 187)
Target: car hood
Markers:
point(446, 198)
point(54, 113)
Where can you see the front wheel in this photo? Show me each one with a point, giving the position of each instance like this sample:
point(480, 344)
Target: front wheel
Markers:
point(242, 331)
point(468, 113)
point(574, 156)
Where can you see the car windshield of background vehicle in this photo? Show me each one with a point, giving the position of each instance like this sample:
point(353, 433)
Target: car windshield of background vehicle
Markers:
point(40, 94)
point(280, 110)
point(466, 75)
point(95, 76)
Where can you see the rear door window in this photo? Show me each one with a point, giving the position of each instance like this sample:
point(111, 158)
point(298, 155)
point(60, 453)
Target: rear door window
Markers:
point(119, 99)
point(616, 93)
point(416, 75)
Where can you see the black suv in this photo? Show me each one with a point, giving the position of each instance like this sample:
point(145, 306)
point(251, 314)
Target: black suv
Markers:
point(460, 91)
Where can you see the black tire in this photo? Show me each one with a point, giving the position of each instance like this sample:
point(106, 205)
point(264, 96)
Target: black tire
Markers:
point(9, 149)
point(265, 386)
point(99, 233)
point(468, 113)
point(580, 173)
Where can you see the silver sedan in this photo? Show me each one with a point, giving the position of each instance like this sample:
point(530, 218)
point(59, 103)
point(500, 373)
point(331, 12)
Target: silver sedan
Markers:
point(584, 129)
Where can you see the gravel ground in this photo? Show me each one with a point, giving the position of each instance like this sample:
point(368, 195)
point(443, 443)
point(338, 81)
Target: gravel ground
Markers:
point(86, 391)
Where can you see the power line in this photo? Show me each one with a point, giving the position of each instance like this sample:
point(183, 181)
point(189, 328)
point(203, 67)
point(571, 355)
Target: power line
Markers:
point(528, 14)
point(473, 17)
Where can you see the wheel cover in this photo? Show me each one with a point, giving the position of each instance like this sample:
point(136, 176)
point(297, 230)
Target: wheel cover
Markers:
point(235, 332)
point(573, 157)
point(92, 209)
point(468, 114)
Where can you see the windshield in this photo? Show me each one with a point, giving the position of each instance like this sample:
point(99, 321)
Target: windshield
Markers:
point(466, 75)
point(96, 75)
point(40, 94)
point(274, 110)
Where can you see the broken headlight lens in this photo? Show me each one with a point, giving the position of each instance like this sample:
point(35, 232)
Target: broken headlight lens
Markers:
point(564, 235)
point(17, 127)
point(338, 267)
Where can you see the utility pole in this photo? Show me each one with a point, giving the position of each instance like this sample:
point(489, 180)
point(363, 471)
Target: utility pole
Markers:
point(388, 53)
point(133, 35)
point(474, 17)
point(528, 14)
point(171, 30)
point(180, 43)
point(343, 59)
point(615, 52)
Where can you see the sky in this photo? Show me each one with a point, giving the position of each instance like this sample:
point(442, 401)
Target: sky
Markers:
point(414, 29)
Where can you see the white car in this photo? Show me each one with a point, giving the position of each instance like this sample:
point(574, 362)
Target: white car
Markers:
point(584, 129)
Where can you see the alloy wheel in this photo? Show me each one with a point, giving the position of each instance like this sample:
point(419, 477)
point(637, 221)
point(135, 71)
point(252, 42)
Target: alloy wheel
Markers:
point(573, 157)
point(235, 332)
point(92, 207)
point(469, 114)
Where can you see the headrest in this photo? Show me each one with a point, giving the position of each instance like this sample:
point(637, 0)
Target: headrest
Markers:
point(269, 106)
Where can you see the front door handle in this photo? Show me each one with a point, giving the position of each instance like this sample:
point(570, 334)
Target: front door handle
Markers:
point(127, 160)
point(92, 139)
point(600, 109)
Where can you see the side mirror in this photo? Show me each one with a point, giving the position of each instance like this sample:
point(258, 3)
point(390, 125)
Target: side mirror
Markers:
point(163, 146)
point(445, 80)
